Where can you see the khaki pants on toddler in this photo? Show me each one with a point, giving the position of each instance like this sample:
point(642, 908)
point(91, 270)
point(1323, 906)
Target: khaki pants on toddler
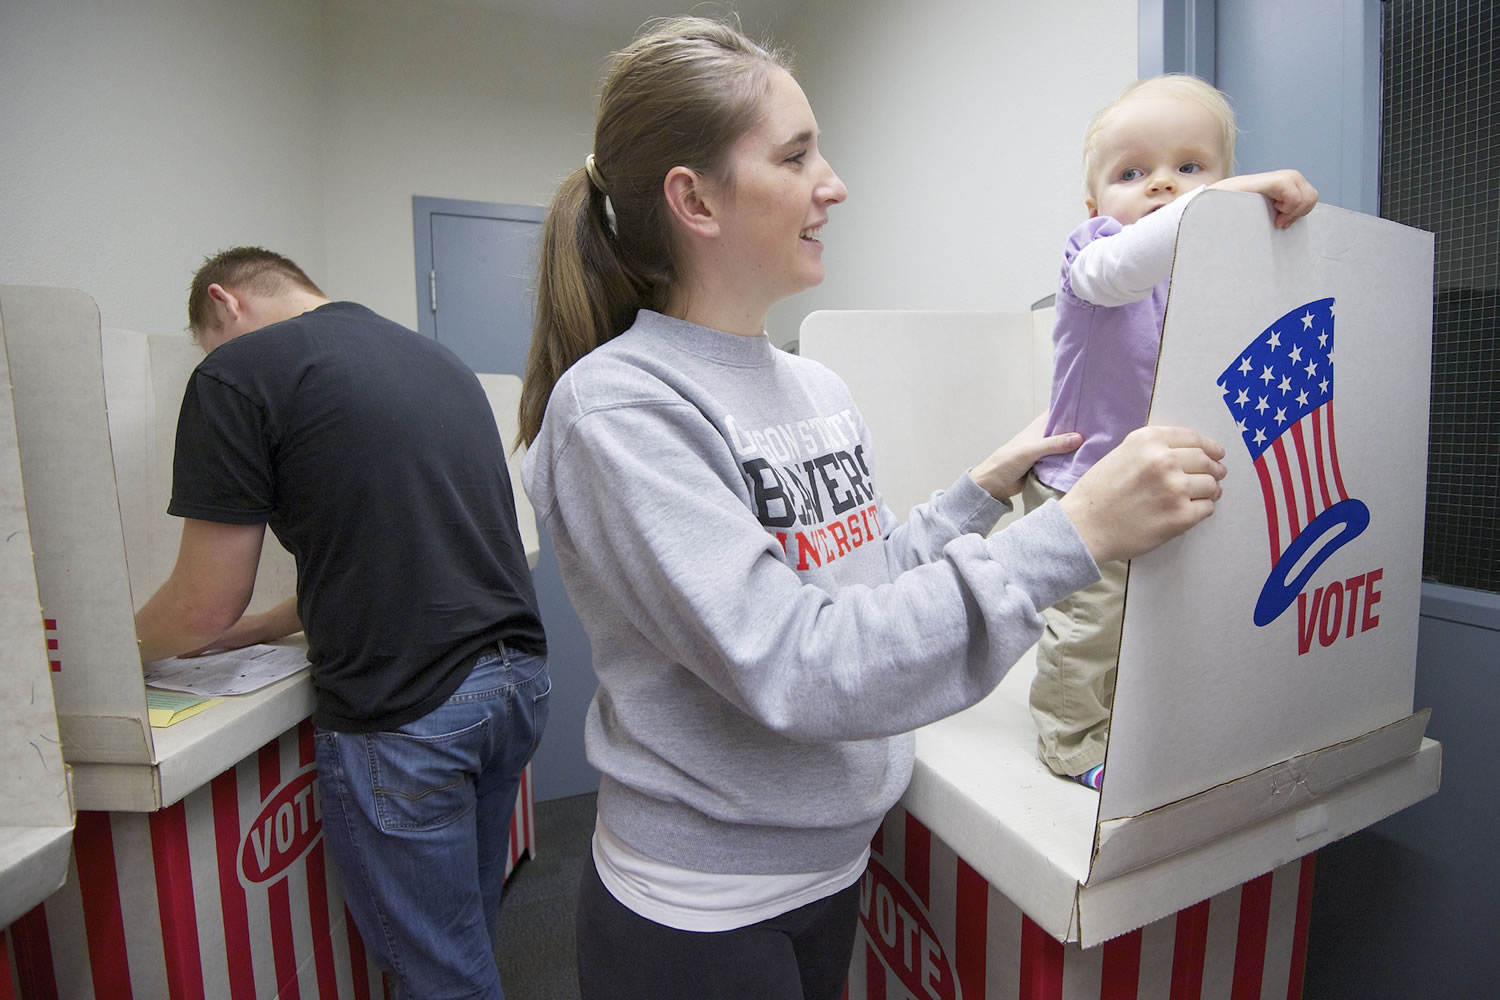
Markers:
point(1074, 689)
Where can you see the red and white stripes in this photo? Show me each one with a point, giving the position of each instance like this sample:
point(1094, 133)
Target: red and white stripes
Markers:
point(227, 893)
point(1301, 481)
point(54, 655)
point(931, 928)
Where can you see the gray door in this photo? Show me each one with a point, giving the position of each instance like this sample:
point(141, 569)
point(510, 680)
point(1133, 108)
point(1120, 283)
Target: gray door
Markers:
point(479, 258)
point(484, 295)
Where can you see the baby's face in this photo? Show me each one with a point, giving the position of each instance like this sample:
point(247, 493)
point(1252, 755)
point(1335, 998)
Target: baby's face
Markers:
point(1152, 150)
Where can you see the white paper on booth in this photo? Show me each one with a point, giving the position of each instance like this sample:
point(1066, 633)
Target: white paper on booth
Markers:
point(235, 671)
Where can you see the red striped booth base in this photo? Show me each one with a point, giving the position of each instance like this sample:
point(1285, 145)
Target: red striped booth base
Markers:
point(226, 893)
point(931, 928)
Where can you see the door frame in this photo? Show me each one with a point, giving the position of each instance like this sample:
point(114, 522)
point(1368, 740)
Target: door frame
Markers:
point(423, 208)
point(1180, 36)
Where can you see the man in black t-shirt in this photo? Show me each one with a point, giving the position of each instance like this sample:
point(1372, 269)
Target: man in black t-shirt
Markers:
point(372, 454)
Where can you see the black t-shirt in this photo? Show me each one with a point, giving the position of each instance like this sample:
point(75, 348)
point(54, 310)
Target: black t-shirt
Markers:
point(372, 454)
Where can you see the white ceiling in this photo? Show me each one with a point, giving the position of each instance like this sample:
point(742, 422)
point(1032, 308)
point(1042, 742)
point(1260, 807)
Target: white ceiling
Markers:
point(623, 17)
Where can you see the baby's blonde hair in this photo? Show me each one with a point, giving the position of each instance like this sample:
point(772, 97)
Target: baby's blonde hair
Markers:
point(1166, 85)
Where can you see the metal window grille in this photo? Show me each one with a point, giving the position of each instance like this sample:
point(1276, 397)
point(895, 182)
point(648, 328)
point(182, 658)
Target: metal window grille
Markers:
point(1439, 172)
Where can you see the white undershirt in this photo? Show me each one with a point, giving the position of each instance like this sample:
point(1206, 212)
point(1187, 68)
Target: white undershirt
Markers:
point(1125, 267)
point(707, 901)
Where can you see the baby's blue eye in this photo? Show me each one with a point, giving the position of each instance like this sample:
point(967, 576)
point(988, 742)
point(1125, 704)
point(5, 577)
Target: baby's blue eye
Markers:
point(1130, 174)
point(1191, 168)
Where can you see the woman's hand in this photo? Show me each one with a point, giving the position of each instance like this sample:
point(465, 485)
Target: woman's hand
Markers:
point(1156, 484)
point(1005, 470)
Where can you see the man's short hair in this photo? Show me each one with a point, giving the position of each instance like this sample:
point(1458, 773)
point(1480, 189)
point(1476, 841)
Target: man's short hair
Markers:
point(249, 269)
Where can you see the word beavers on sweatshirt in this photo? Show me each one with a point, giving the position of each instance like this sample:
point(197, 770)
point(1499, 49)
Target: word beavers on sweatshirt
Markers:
point(810, 485)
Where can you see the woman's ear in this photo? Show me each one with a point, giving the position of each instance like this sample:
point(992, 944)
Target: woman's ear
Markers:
point(689, 202)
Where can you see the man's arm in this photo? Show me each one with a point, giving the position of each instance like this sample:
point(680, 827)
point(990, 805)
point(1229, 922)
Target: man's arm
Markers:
point(208, 590)
point(268, 626)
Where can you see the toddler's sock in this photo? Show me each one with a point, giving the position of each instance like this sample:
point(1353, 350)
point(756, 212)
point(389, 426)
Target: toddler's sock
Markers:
point(1093, 777)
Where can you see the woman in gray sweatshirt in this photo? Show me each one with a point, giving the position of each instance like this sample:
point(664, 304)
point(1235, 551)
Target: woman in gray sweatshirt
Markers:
point(765, 634)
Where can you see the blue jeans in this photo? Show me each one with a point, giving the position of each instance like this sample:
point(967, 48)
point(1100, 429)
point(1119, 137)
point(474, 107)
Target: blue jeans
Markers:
point(417, 820)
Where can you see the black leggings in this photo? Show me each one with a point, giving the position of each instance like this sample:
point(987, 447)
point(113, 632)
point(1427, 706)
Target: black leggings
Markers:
point(800, 955)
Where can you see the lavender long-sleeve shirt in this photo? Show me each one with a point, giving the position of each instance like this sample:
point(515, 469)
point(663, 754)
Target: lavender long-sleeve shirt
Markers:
point(1111, 301)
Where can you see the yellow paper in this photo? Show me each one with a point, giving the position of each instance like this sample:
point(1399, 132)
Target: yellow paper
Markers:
point(168, 708)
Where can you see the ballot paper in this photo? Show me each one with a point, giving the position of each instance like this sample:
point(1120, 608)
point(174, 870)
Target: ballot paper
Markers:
point(236, 671)
point(167, 708)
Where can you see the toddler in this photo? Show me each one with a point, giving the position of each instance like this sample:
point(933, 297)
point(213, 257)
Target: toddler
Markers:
point(1145, 156)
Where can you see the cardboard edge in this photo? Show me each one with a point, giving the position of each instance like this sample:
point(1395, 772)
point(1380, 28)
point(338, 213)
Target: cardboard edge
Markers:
point(117, 787)
point(1123, 904)
point(105, 739)
point(1125, 843)
point(33, 865)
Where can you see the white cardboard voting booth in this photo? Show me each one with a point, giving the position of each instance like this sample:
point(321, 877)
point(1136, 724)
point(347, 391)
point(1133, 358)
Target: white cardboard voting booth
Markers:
point(1264, 699)
point(198, 866)
point(36, 809)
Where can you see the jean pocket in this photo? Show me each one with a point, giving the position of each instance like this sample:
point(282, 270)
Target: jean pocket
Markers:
point(425, 782)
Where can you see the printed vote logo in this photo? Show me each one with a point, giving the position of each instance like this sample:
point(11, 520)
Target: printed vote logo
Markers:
point(289, 823)
point(1279, 390)
point(898, 927)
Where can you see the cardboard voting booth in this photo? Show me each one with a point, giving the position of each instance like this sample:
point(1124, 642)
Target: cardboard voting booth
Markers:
point(226, 893)
point(1264, 695)
point(36, 809)
point(104, 543)
point(198, 859)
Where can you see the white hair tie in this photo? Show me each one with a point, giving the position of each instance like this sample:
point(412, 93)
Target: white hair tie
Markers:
point(591, 167)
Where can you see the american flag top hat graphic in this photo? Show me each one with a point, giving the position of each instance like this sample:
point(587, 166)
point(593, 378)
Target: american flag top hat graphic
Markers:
point(1279, 390)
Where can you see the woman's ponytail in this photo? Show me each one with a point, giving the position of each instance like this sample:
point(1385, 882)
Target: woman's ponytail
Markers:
point(585, 294)
point(679, 95)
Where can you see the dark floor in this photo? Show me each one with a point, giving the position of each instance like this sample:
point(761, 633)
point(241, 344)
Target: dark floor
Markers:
point(536, 914)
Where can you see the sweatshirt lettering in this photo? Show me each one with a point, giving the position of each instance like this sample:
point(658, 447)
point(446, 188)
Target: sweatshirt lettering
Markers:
point(807, 494)
point(810, 485)
point(789, 442)
point(814, 547)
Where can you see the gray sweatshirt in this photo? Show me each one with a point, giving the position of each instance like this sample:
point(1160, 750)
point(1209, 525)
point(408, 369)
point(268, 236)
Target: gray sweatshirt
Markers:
point(765, 634)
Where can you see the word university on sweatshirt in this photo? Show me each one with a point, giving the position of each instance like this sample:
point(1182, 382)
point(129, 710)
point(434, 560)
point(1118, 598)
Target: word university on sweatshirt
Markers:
point(810, 484)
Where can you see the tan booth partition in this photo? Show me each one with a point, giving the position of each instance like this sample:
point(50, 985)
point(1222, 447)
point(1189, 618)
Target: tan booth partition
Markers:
point(95, 418)
point(36, 810)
